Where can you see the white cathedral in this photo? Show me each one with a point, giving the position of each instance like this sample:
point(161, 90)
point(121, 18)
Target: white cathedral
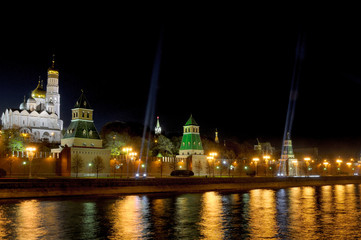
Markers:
point(39, 116)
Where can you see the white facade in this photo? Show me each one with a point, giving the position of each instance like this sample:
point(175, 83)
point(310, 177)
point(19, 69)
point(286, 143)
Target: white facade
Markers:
point(39, 116)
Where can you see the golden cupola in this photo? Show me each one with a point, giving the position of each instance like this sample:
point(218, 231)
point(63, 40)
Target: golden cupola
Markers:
point(52, 70)
point(39, 91)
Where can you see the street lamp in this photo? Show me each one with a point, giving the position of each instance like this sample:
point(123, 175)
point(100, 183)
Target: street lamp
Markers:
point(338, 161)
point(266, 158)
point(132, 156)
point(326, 164)
point(255, 160)
point(307, 160)
point(127, 150)
point(211, 157)
point(31, 153)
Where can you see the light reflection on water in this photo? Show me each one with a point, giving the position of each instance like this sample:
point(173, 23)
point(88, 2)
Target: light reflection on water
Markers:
point(294, 213)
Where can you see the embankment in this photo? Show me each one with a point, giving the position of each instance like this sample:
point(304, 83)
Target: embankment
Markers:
point(34, 188)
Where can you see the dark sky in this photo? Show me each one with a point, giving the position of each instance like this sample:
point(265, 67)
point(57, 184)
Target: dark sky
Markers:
point(231, 70)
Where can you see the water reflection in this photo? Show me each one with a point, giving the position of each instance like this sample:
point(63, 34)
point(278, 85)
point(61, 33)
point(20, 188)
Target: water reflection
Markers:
point(302, 213)
point(294, 213)
point(127, 218)
point(211, 223)
point(262, 214)
point(29, 220)
point(187, 216)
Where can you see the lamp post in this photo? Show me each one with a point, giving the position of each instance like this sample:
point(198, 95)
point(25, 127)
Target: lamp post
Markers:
point(255, 160)
point(307, 160)
point(132, 156)
point(127, 150)
point(326, 164)
point(338, 162)
point(266, 158)
point(31, 153)
point(211, 157)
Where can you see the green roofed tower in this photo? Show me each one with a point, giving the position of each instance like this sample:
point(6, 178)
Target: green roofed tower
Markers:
point(82, 145)
point(82, 131)
point(191, 142)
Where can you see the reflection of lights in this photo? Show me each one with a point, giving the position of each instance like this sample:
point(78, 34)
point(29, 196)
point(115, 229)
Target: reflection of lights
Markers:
point(29, 220)
point(262, 212)
point(211, 216)
point(126, 218)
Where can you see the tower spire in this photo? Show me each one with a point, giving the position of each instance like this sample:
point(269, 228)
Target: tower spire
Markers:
point(53, 62)
point(216, 139)
point(158, 129)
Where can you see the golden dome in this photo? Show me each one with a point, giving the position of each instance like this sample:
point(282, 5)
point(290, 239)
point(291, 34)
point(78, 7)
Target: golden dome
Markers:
point(39, 92)
point(52, 69)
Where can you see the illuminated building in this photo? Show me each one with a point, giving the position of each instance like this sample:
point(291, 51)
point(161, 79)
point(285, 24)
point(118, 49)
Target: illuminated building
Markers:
point(191, 142)
point(191, 149)
point(39, 115)
point(288, 160)
point(82, 139)
point(158, 129)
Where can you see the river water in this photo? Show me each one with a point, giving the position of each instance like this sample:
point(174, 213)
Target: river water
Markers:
point(327, 212)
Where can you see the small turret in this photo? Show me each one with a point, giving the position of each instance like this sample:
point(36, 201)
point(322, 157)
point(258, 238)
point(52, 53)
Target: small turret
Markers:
point(158, 129)
point(216, 139)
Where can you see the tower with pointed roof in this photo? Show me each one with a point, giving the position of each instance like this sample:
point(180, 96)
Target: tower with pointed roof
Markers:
point(82, 131)
point(216, 139)
point(191, 142)
point(158, 129)
point(191, 154)
point(82, 139)
point(288, 162)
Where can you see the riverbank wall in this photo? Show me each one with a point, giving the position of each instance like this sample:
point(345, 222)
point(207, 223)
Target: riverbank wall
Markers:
point(59, 187)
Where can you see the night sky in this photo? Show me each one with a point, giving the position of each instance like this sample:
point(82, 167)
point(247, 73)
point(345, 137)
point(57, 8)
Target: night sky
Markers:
point(231, 71)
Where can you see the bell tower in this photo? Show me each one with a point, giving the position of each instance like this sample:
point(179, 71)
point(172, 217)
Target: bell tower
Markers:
point(52, 88)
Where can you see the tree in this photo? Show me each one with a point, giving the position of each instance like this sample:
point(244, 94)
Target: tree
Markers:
point(230, 156)
point(77, 164)
point(11, 161)
point(98, 165)
point(198, 167)
point(164, 146)
point(12, 140)
point(210, 168)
